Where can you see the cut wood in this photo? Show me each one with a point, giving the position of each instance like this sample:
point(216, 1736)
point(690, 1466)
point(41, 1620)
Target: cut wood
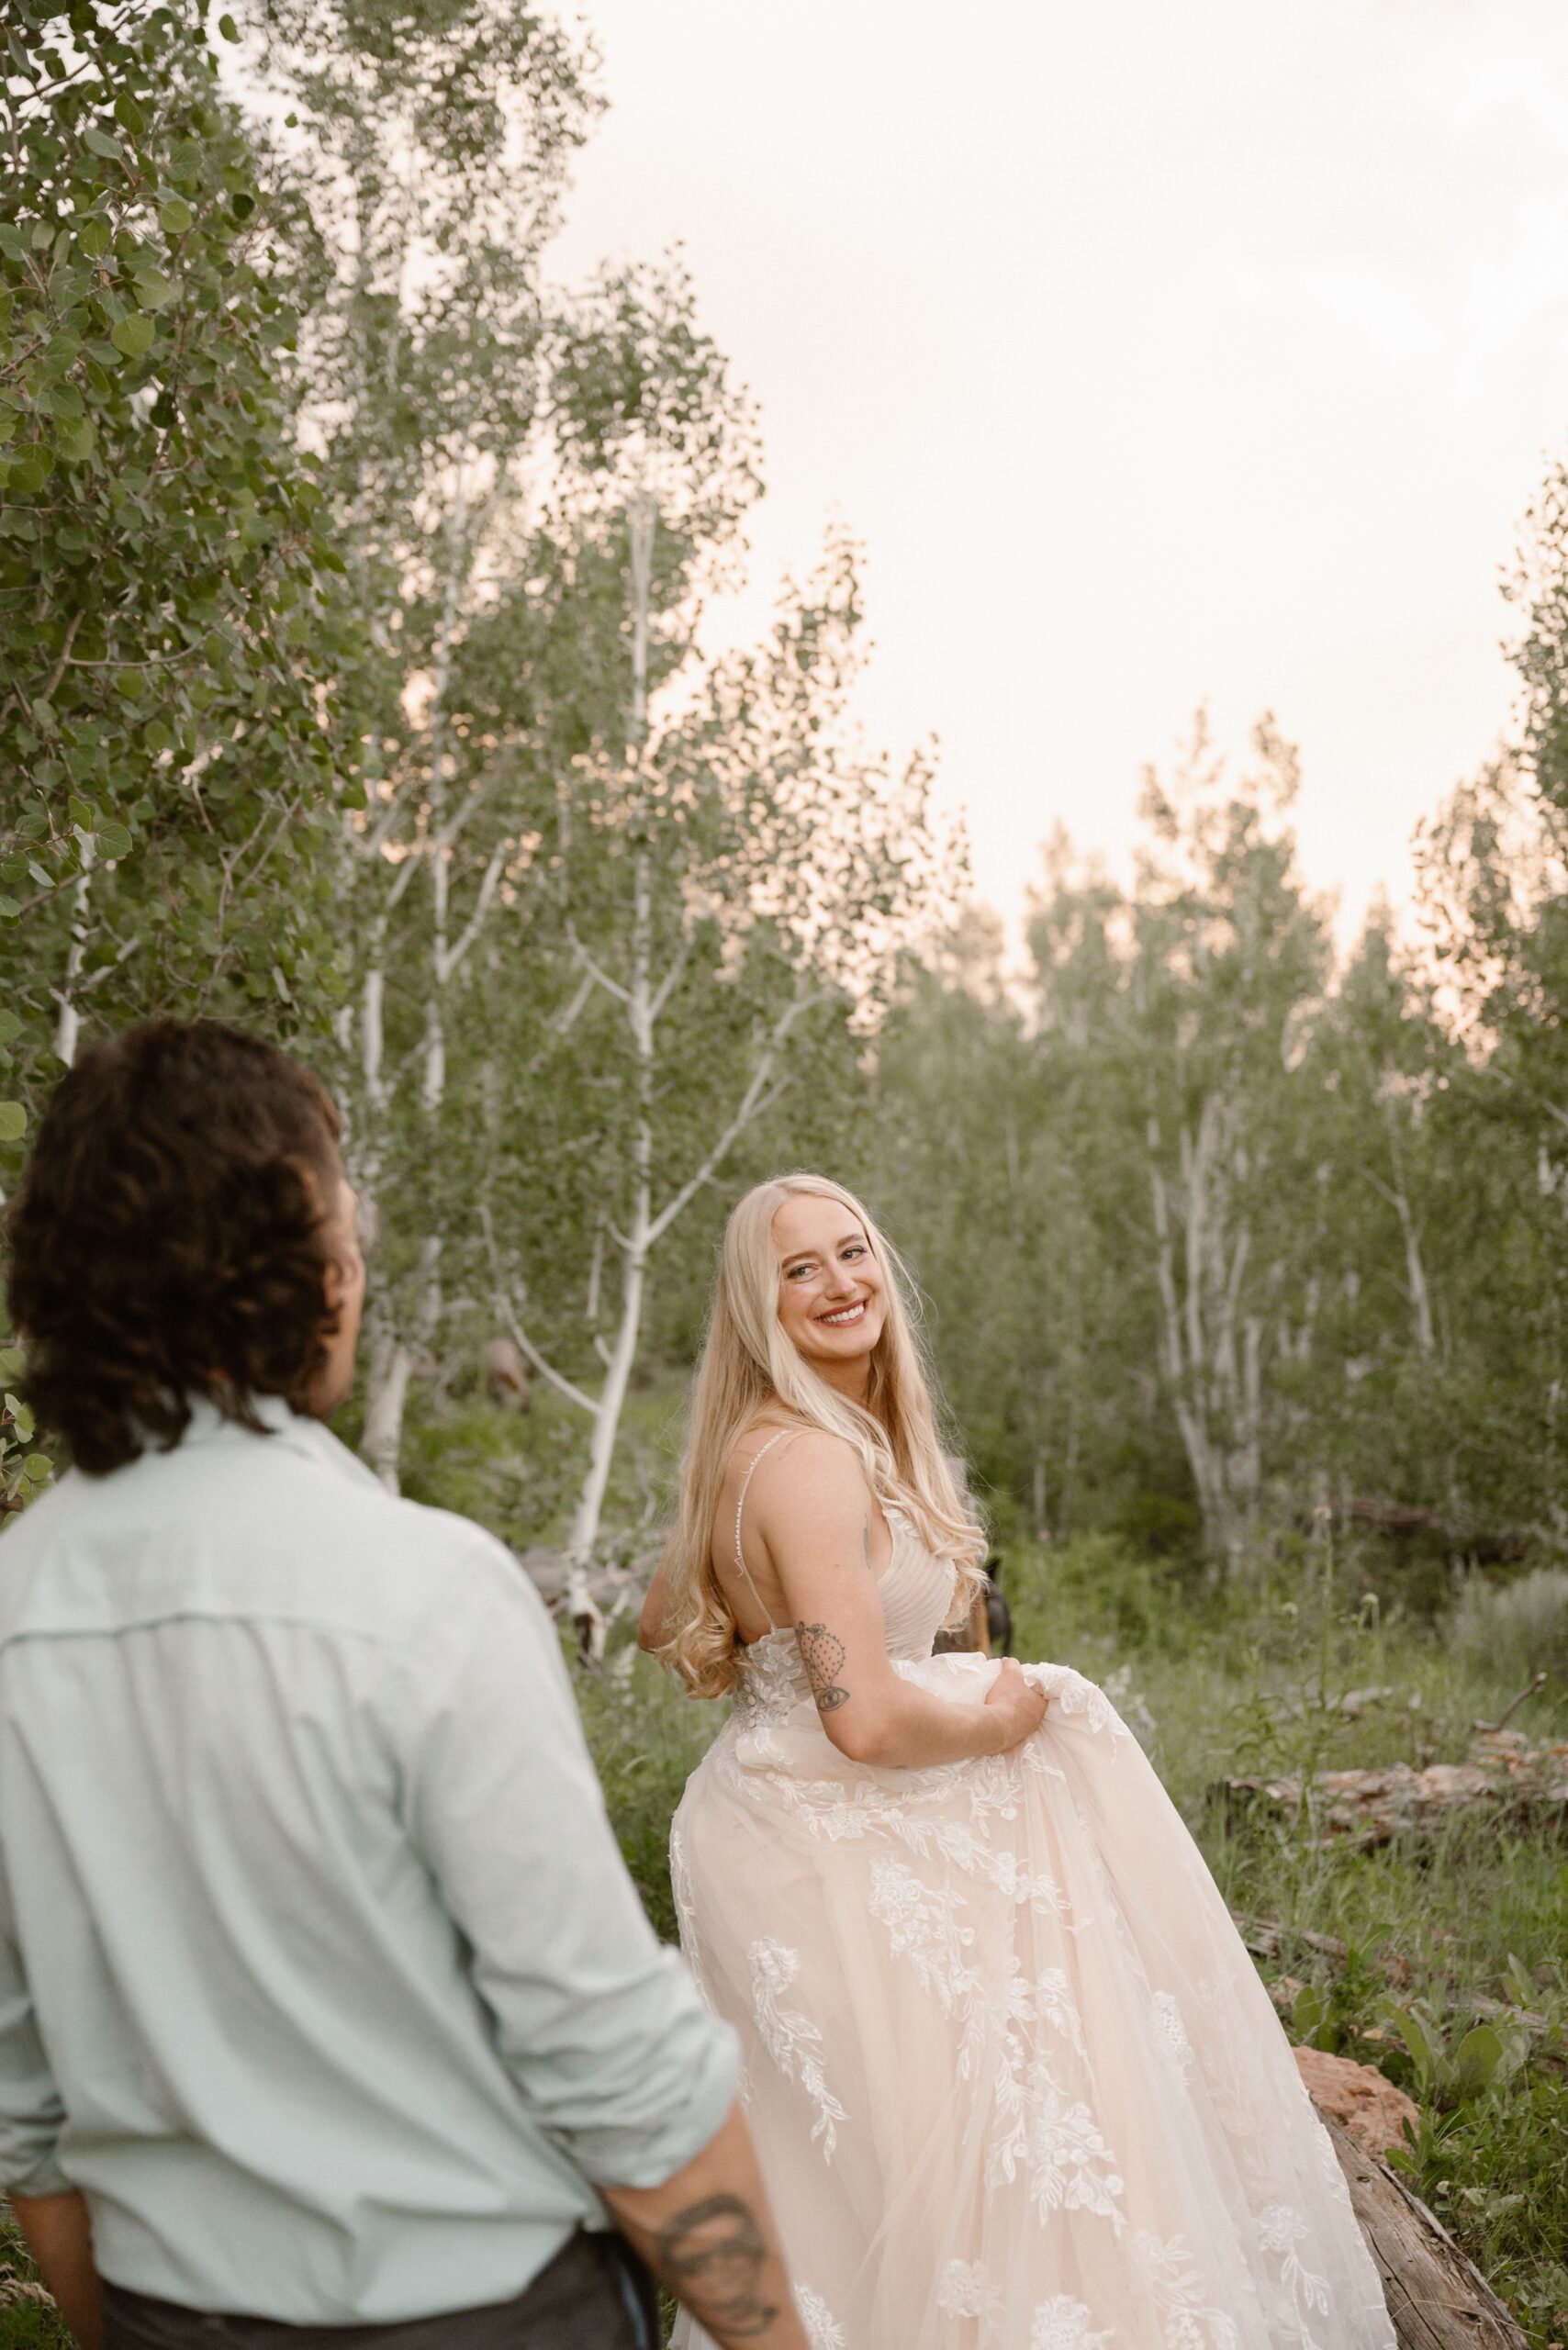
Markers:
point(1506, 1779)
point(1437, 2299)
point(1376, 2114)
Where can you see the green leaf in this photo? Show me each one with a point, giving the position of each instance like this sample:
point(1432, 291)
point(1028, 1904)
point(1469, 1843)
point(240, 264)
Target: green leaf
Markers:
point(133, 336)
point(1413, 2033)
point(1310, 2006)
point(37, 1467)
point(113, 841)
point(184, 163)
point(10, 1363)
point(33, 468)
point(98, 143)
point(1521, 1987)
point(1477, 2058)
point(13, 1120)
point(128, 115)
point(154, 290)
point(18, 1409)
point(10, 1029)
point(228, 28)
point(94, 236)
point(75, 441)
point(176, 216)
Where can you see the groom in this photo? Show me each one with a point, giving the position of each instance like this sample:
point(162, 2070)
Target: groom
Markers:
point(328, 2013)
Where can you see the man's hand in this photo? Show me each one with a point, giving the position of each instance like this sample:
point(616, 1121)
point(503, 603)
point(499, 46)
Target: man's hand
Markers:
point(708, 2237)
point(59, 2237)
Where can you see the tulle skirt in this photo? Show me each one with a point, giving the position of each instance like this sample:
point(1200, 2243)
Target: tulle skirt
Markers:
point(1014, 2081)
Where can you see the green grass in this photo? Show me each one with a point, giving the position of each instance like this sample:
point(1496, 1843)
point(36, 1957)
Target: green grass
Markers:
point(28, 2321)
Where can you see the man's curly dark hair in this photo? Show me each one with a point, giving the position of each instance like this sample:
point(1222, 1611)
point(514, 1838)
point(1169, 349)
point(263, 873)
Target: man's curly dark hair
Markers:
point(168, 1238)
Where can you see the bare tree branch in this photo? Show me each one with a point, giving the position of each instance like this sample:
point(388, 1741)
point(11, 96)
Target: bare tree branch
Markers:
point(453, 958)
point(595, 970)
point(519, 1336)
point(671, 980)
point(753, 1101)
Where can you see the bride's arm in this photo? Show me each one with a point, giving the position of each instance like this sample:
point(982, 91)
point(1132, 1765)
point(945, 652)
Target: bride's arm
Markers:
point(813, 1513)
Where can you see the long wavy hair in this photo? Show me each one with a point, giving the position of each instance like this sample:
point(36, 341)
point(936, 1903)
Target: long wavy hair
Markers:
point(748, 1362)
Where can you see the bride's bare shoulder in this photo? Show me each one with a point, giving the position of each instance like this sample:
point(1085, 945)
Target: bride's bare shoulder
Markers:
point(770, 1441)
point(815, 1475)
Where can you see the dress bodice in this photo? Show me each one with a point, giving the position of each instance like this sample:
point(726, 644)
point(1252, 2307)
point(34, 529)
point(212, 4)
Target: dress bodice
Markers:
point(916, 1590)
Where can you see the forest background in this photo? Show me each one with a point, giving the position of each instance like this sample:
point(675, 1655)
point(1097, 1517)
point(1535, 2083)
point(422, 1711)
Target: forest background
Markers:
point(353, 576)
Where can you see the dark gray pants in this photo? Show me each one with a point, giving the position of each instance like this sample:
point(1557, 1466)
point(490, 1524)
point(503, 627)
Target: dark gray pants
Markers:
point(595, 2295)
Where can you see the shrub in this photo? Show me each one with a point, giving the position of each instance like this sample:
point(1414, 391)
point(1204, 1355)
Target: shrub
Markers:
point(1515, 1629)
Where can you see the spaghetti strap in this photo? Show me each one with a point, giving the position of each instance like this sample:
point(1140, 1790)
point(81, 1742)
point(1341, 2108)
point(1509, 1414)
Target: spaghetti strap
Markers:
point(783, 1437)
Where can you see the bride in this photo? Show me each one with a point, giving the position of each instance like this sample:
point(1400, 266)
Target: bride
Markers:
point(1014, 2081)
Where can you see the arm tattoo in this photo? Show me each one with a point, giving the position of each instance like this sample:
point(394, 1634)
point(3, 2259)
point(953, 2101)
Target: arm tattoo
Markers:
point(822, 1656)
point(711, 2256)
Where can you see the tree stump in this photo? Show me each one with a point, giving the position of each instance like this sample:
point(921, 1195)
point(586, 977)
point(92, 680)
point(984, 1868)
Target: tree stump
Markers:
point(1437, 2299)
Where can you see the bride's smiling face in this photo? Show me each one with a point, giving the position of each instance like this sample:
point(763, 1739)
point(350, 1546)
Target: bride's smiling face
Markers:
point(832, 1301)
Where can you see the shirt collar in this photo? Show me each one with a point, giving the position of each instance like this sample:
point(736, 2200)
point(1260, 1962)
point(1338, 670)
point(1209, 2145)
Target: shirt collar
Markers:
point(283, 1425)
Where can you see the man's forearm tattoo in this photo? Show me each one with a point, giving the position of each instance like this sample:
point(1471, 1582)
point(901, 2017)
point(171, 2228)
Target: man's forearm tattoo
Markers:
point(822, 1655)
point(711, 2258)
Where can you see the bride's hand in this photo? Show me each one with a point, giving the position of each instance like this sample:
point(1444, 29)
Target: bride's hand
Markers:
point(1020, 1703)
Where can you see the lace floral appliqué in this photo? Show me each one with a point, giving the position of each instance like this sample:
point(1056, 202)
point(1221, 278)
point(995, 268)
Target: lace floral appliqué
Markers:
point(1062, 2323)
point(822, 2329)
point(793, 2040)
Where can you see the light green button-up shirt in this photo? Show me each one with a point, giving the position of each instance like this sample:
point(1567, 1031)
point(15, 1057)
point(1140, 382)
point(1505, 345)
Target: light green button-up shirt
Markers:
point(321, 1974)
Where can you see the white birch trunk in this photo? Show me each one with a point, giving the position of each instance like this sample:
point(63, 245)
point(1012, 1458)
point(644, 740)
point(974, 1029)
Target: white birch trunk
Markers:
point(68, 1026)
point(612, 1398)
point(1211, 1349)
point(391, 1367)
point(1415, 1268)
point(394, 1359)
point(434, 1086)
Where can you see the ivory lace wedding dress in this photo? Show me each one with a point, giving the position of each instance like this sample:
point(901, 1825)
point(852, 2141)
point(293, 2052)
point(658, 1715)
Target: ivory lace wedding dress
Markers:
point(1014, 2081)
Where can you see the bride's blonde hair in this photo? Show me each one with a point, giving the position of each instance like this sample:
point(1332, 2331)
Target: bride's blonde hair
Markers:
point(747, 1362)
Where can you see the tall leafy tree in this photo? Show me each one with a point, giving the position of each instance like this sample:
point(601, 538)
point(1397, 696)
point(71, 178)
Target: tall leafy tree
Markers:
point(175, 775)
point(737, 889)
point(432, 141)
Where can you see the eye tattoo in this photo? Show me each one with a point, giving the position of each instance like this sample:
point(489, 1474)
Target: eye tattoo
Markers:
point(822, 1655)
point(711, 2255)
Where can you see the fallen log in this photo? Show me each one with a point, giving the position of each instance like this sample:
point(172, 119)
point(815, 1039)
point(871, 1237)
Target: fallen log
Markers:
point(1437, 2299)
point(1505, 1780)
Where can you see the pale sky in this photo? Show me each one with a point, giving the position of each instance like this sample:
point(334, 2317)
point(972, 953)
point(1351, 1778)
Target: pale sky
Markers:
point(1161, 351)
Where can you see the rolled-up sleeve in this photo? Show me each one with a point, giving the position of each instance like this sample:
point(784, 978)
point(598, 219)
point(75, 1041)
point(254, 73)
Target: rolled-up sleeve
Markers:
point(601, 2027)
point(31, 2114)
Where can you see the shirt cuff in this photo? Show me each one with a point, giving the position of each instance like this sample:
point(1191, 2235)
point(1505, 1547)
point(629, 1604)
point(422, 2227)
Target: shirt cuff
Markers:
point(46, 2177)
point(643, 2157)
